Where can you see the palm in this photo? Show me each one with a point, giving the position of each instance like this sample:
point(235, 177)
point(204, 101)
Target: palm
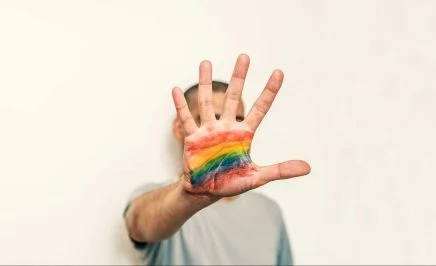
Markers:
point(217, 154)
point(218, 160)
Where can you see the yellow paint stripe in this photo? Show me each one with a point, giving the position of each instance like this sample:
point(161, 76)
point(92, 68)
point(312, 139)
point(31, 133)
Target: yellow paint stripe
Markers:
point(210, 153)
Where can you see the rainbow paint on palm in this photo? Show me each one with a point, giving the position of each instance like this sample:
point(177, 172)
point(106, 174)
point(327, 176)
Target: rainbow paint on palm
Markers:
point(216, 158)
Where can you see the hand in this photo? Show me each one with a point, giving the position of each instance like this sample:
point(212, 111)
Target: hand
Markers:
point(217, 154)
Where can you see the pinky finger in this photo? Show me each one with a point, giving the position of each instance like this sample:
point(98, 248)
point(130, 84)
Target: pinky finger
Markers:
point(284, 170)
point(183, 112)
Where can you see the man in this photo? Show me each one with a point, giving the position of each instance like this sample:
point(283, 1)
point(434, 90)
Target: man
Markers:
point(208, 216)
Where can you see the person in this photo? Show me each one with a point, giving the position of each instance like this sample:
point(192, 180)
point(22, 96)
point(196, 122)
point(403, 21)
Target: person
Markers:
point(210, 215)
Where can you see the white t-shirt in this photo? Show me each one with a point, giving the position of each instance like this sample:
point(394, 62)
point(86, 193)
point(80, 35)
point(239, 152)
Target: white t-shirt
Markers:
point(249, 230)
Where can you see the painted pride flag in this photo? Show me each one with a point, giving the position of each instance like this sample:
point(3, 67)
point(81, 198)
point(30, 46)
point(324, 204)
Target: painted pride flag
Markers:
point(219, 157)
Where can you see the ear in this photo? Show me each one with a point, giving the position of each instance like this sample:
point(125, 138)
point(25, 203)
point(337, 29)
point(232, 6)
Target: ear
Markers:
point(178, 131)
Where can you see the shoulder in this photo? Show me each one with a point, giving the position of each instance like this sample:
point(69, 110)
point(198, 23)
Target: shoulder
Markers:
point(141, 190)
point(260, 198)
point(264, 203)
point(147, 187)
point(144, 188)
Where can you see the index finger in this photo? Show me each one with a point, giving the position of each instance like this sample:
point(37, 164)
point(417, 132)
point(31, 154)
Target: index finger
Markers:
point(265, 100)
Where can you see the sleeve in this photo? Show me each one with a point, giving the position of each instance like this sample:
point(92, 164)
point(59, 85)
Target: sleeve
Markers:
point(136, 193)
point(284, 256)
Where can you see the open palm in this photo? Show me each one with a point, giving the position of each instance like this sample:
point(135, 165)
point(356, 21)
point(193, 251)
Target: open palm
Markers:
point(217, 154)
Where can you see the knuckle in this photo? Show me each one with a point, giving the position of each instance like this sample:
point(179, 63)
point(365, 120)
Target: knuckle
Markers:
point(205, 103)
point(272, 88)
point(261, 107)
point(181, 107)
point(186, 119)
point(233, 95)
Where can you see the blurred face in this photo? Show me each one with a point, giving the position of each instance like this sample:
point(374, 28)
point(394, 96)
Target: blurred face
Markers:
point(218, 103)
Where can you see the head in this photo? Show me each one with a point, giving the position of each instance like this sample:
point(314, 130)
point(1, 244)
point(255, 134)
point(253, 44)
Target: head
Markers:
point(191, 94)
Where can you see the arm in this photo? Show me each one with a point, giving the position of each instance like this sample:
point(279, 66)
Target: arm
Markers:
point(158, 214)
point(216, 157)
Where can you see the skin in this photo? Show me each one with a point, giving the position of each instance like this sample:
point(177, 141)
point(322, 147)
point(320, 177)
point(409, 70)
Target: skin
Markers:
point(210, 125)
point(217, 105)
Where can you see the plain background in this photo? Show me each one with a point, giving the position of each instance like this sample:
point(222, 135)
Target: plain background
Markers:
point(86, 112)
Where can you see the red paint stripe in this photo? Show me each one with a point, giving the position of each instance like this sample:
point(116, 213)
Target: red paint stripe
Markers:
point(217, 138)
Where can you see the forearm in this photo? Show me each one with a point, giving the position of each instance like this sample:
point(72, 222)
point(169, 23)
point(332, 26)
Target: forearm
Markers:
point(158, 214)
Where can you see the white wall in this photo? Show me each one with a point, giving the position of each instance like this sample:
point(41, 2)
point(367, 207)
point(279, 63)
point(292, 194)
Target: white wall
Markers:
point(85, 113)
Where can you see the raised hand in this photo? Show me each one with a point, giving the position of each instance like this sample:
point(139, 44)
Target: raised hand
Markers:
point(217, 153)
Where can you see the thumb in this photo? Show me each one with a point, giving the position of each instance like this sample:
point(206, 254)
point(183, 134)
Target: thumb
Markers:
point(284, 170)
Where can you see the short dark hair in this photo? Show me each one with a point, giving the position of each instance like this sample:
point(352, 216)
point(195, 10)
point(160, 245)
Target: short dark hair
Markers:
point(217, 86)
